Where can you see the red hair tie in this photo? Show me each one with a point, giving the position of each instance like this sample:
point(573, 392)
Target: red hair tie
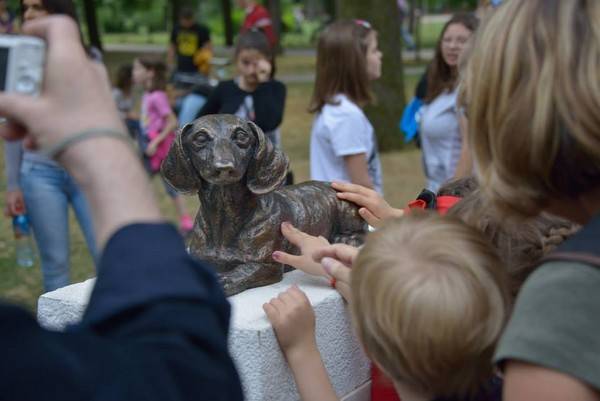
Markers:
point(444, 203)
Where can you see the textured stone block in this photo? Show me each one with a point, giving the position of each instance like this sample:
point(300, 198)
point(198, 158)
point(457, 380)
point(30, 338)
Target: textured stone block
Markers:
point(265, 374)
point(252, 343)
point(59, 308)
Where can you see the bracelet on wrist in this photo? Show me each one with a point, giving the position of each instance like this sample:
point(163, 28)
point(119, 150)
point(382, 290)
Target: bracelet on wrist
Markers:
point(54, 151)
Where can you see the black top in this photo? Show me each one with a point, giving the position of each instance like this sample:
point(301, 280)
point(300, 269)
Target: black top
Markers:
point(187, 41)
point(155, 329)
point(268, 98)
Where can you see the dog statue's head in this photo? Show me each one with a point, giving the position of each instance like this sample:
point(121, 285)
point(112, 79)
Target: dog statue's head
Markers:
point(223, 149)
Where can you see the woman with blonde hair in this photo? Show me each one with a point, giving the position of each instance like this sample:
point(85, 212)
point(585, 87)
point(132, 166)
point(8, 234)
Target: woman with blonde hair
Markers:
point(534, 95)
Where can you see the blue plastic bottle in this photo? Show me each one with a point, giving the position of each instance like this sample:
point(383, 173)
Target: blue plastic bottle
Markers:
point(23, 243)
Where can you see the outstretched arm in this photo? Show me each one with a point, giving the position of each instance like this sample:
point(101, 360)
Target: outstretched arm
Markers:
point(373, 208)
point(293, 320)
point(156, 318)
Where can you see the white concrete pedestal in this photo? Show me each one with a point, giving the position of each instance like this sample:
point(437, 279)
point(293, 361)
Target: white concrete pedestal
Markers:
point(252, 343)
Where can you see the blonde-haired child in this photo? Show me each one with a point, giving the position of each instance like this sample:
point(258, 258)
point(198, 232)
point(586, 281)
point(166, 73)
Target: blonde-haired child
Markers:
point(429, 299)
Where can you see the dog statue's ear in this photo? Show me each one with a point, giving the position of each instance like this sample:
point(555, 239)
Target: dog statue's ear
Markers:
point(268, 169)
point(177, 168)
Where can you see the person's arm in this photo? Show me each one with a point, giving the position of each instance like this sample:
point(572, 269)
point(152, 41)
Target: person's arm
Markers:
point(64, 110)
point(525, 382)
point(13, 154)
point(293, 321)
point(170, 126)
point(269, 104)
point(373, 208)
point(148, 329)
point(464, 168)
point(357, 169)
point(213, 103)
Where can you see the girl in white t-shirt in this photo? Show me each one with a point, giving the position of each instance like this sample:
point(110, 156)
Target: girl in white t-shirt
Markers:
point(343, 146)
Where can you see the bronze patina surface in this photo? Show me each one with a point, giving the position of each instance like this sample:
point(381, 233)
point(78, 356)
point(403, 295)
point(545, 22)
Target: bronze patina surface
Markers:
point(238, 176)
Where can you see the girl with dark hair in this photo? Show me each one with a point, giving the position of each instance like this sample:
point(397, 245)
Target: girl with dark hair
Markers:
point(343, 146)
point(440, 132)
point(38, 186)
point(254, 94)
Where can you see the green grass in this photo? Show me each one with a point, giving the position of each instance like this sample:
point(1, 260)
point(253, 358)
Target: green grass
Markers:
point(402, 181)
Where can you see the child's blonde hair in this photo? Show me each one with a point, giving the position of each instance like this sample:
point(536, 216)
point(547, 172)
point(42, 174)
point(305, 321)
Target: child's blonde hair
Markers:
point(429, 300)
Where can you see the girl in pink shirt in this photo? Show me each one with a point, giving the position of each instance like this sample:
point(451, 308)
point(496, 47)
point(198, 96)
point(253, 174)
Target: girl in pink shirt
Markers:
point(158, 124)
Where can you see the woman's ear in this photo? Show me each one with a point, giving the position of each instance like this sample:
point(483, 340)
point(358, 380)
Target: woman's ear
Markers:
point(177, 168)
point(268, 168)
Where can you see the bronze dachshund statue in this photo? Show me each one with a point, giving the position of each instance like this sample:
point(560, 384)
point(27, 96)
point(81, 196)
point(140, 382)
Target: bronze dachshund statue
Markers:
point(238, 176)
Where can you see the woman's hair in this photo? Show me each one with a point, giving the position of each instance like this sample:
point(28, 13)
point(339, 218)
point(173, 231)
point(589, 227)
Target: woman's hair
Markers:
point(63, 7)
point(440, 76)
point(124, 77)
point(533, 91)
point(256, 40)
point(158, 67)
point(520, 245)
point(342, 64)
point(429, 300)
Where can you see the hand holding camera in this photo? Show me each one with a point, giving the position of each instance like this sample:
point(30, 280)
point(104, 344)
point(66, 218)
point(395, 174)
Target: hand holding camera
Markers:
point(21, 64)
point(65, 104)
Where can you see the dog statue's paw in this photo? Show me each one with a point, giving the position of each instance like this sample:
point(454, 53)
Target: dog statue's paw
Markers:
point(250, 275)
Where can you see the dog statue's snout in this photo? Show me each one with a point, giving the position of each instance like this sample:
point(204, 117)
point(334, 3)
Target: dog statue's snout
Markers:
point(224, 165)
point(224, 168)
point(224, 159)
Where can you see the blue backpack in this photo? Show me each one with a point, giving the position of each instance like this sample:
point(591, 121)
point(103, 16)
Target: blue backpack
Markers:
point(408, 123)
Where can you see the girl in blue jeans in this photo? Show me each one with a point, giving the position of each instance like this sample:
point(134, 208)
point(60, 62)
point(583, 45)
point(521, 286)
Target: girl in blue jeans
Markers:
point(41, 188)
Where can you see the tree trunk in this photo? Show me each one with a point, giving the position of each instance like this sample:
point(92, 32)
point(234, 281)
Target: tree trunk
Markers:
point(274, 7)
point(175, 7)
point(389, 89)
point(227, 21)
point(92, 24)
point(332, 8)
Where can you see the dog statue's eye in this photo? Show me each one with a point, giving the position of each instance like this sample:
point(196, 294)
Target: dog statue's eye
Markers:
point(241, 138)
point(201, 139)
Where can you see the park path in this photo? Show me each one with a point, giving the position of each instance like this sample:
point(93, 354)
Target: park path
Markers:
point(425, 54)
point(310, 77)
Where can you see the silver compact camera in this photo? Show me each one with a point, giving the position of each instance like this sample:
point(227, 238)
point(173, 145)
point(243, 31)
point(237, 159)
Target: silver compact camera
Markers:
point(21, 64)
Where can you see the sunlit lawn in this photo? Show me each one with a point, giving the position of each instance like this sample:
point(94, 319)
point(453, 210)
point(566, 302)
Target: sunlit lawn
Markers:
point(402, 180)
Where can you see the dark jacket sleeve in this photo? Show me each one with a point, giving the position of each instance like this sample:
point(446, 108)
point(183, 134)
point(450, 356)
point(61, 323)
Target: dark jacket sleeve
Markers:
point(269, 105)
point(155, 329)
point(213, 104)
